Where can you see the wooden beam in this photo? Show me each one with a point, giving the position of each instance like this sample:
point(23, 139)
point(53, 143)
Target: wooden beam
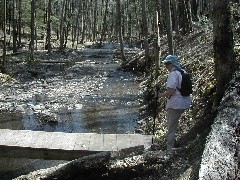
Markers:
point(64, 146)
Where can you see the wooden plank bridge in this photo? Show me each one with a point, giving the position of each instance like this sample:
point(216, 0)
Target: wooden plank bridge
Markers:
point(64, 146)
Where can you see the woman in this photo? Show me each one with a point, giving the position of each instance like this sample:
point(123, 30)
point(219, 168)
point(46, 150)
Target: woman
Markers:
point(176, 103)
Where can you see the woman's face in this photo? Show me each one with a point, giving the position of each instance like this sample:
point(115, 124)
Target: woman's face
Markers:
point(169, 66)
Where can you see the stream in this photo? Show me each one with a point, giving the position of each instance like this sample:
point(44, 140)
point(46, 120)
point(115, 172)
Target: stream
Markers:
point(88, 95)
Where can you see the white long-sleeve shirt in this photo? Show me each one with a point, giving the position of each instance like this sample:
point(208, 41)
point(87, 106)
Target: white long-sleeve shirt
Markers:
point(177, 101)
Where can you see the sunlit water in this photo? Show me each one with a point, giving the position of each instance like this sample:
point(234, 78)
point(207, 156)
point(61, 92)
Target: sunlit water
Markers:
point(90, 96)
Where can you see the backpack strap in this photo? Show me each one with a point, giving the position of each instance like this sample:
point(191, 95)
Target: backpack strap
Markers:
point(181, 71)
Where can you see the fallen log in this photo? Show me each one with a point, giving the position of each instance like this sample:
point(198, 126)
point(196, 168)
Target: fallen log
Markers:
point(96, 166)
point(86, 167)
point(125, 164)
point(136, 62)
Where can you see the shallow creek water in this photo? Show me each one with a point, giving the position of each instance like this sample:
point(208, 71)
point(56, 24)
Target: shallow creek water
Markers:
point(91, 95)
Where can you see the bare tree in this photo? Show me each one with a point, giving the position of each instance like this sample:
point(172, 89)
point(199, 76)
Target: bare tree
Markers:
point(4, 35)
point(145, 30)
point(14, 25)
point(49, 29)
point(84, 22)
point(94, 31)
point(62, 25)
point(185, 17)
point(19, 23)
point(223, 46)
point(31, 45)
point(157, 42)
point(169, 26)
point(104, 25)
point(119, 28)
point(175, 15)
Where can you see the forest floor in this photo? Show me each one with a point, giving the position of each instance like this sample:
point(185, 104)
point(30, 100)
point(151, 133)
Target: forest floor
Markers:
point(196, 53)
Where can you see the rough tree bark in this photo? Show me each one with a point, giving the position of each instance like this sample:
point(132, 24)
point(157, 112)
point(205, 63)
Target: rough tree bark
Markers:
point(223, 46)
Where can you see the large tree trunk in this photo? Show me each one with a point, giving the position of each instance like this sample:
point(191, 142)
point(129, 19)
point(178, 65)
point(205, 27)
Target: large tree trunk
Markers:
point(223, 46)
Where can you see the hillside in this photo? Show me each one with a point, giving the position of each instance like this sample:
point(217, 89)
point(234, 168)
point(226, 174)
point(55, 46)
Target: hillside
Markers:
point(196, 54)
